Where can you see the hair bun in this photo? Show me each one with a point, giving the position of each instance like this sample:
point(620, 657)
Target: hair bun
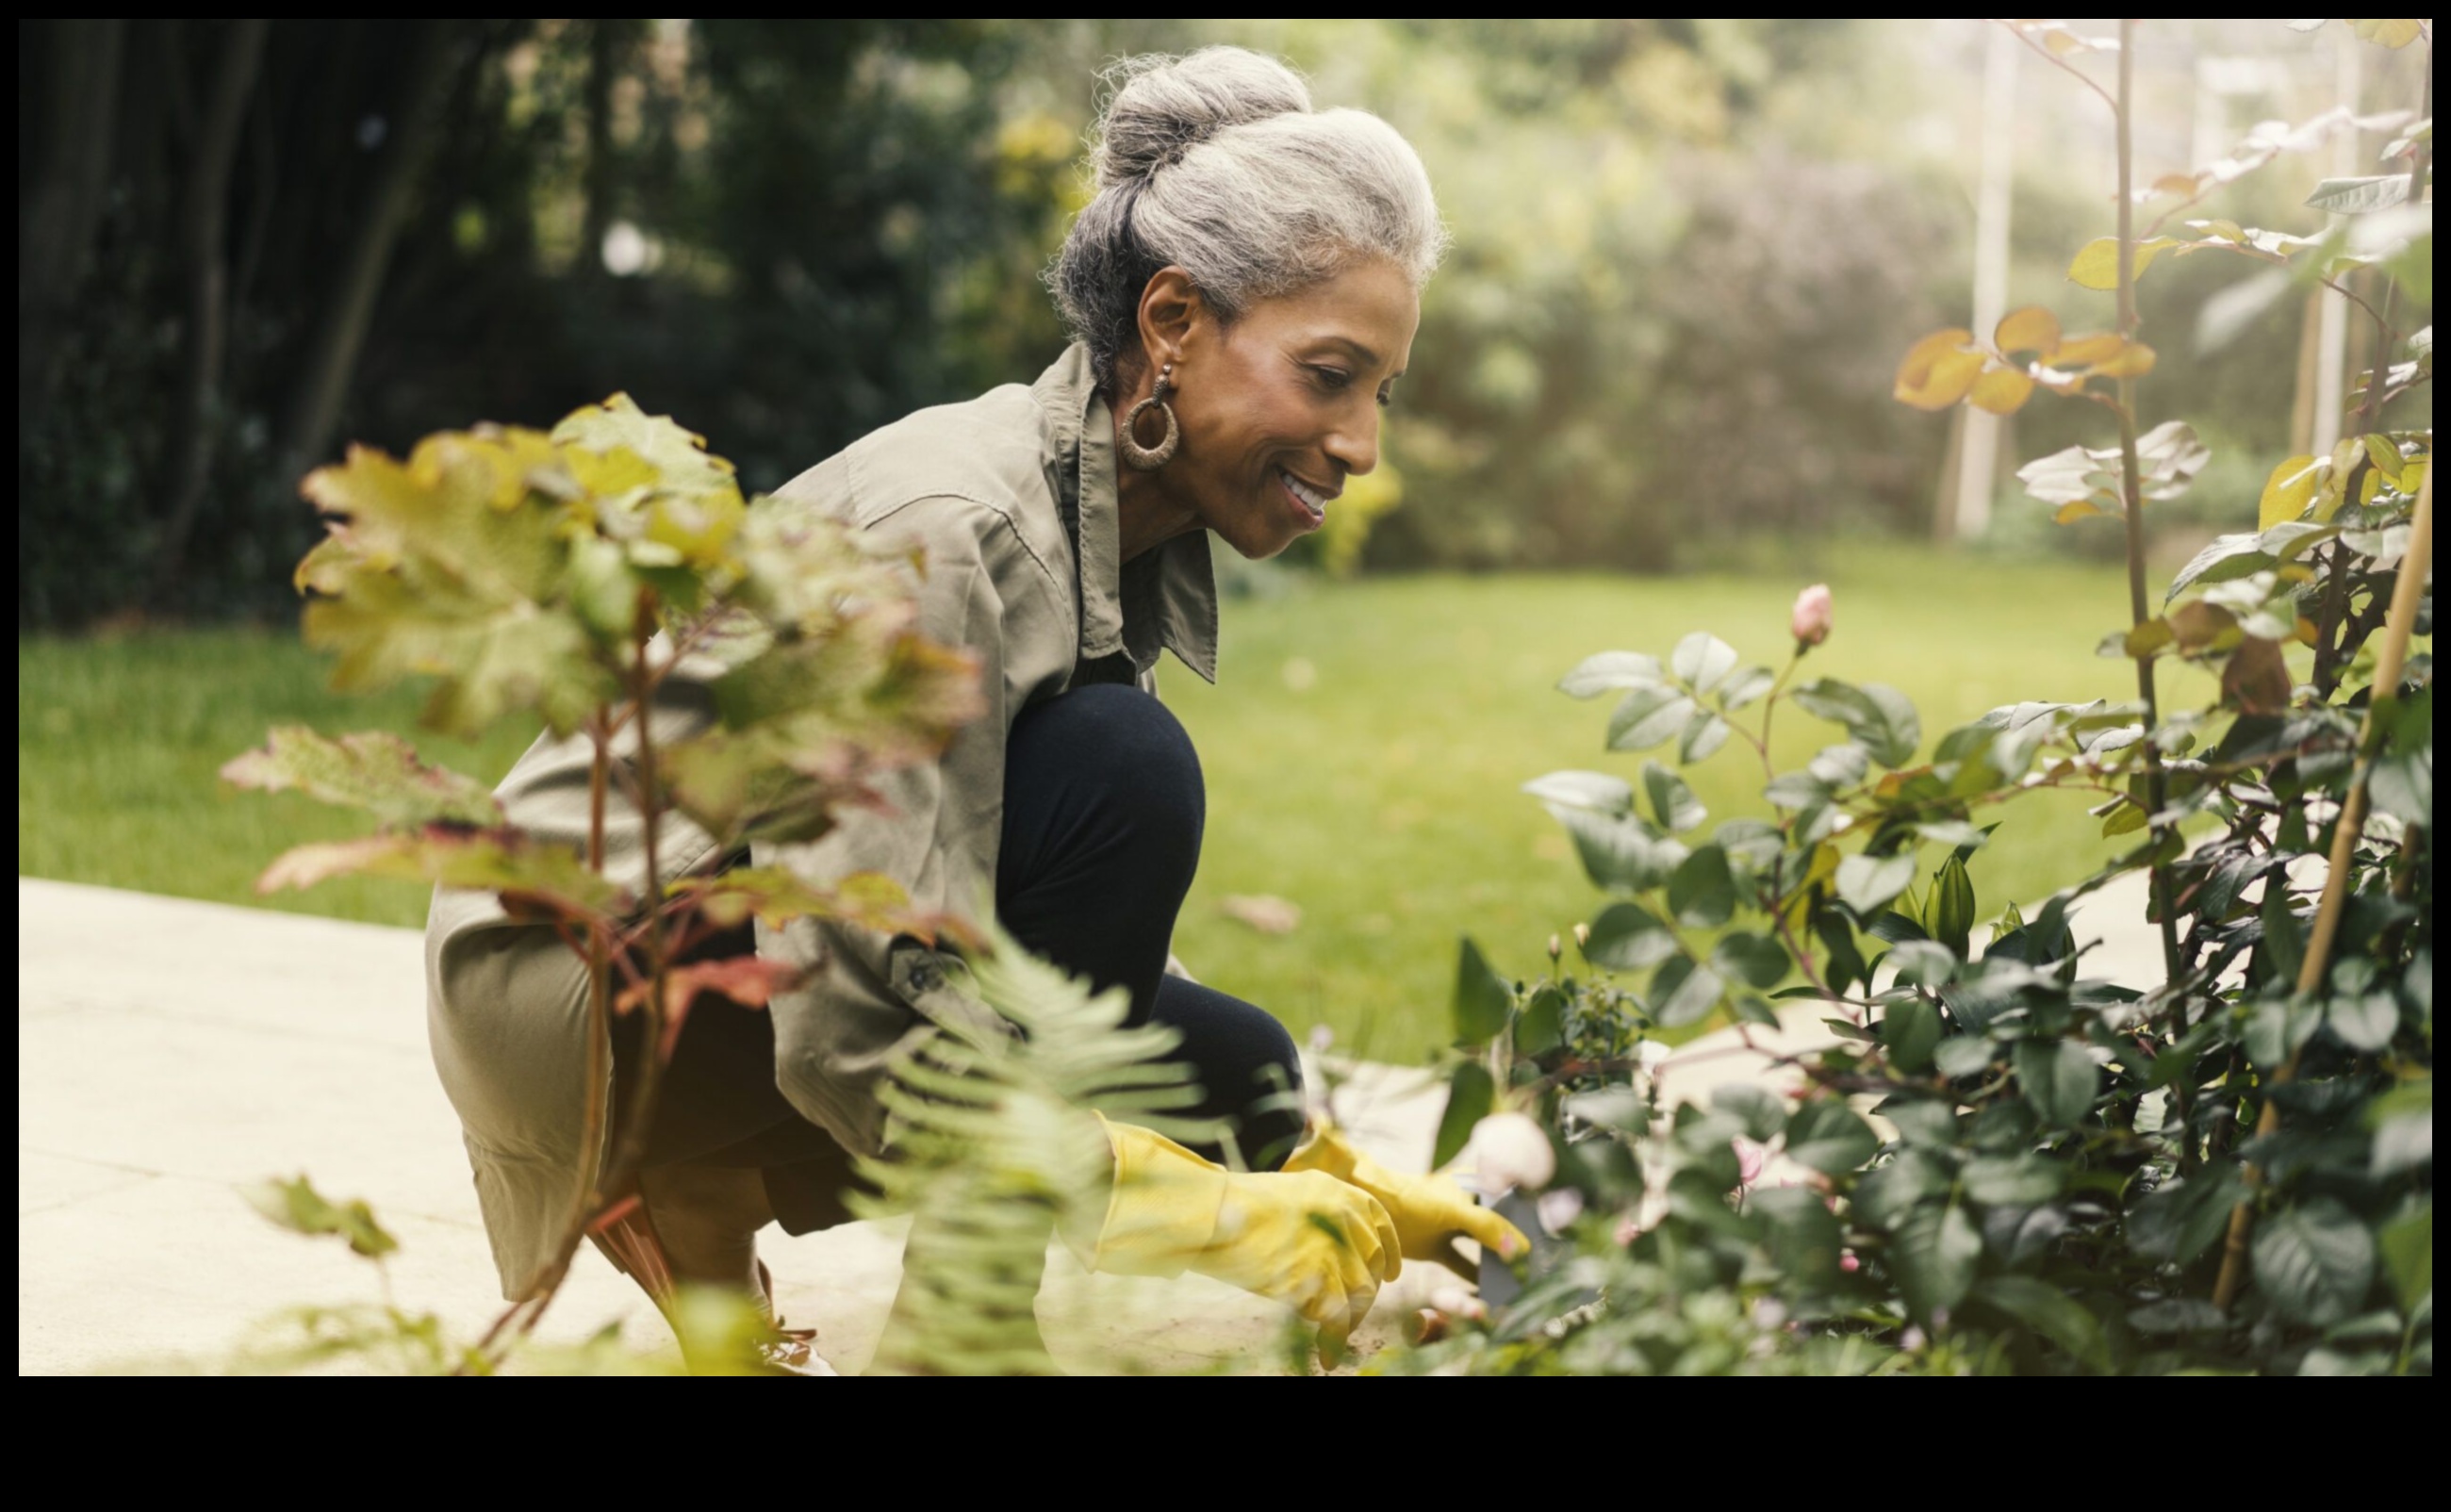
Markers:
point(1163, 106)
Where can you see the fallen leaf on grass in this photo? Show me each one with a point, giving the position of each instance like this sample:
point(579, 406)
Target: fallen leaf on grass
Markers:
point(1269, 915)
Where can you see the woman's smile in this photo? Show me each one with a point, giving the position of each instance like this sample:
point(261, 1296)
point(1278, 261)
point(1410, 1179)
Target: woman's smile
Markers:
point(1309, 503)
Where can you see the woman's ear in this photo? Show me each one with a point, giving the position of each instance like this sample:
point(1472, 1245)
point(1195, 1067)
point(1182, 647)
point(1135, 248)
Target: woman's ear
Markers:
point(1171, 310)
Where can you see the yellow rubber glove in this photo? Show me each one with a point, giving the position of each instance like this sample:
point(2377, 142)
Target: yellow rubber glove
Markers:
point(1429, 1211)
point(1309, 1239)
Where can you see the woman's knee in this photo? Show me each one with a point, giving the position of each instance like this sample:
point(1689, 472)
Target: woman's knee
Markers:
point(1124, 744)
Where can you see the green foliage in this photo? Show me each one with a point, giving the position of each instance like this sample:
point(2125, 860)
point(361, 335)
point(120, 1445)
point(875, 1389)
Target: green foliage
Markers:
point(578, 579)
point(2010, 1165)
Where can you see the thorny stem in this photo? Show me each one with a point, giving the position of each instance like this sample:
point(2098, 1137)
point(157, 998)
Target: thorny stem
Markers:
point(516, 1321)
point(2132, 490)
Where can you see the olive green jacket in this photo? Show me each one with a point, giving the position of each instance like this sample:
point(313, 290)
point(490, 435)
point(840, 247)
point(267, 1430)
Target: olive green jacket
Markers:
point(1012, 496)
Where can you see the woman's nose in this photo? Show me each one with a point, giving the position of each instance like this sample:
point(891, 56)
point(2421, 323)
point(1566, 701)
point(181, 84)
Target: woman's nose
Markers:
point(1355, 448)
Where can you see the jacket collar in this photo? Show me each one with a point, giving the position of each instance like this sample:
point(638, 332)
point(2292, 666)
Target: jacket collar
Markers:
point(1164, 598)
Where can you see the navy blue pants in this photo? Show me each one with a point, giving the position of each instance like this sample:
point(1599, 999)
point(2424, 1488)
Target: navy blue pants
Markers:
point(1104, 808)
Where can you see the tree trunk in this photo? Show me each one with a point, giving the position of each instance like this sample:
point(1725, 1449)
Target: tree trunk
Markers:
point(62, 207)
point(204, 232)
point(341, 331)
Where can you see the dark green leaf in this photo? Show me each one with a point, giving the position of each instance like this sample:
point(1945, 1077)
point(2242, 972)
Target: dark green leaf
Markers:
point(1882, 718)
point(2011, 1181)
point(1922, 1121)
point(1756, 961)
point(1759, 1110)
point(1919, 963)
point(1831, 1138)
point(1684, 994)
point(2051, 1313)
point(1618, 1108)
point(1470, 1095)
point(2179, 1220)
point(2408, 1255)
point(1541, 1028)
point(2313, 1261)
point(1617, 853)
point(1672, 802)
point(1933, 1254)
point(1702, 893)
point(1802, 1236)
point(2228, 557)
point(2058, 1079)
point(1962, 1056)
point(1629, 937)
point(1481, 1000)
point(1886, 1194)
point(1744, 687)
point(2284, 943)
point(1647, 717)
point(1910, 1029)
point(1704, 734)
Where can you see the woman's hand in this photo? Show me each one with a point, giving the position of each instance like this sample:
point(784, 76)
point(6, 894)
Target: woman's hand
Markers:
point(1306, 1238)
point(1429, 1211)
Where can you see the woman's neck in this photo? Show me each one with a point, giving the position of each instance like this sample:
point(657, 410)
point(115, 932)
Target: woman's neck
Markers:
point(1146, 516)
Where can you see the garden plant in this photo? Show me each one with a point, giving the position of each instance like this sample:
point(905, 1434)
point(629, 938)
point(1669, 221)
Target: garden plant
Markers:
point(592, 577)
point(2007, 1165)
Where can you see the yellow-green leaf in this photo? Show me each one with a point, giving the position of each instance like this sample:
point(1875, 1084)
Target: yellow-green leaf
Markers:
point(2132, 360)
point(1938, 370)
point(2287, 492)
point(2096, 264)
point(2085, 352)
point(2031, 329)
point(2397, 34)
point(2001, 390)
point(2384, 455)
point(2068, 514)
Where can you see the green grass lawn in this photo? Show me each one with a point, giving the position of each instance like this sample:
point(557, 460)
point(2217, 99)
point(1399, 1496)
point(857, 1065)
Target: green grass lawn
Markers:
point(1363, 752)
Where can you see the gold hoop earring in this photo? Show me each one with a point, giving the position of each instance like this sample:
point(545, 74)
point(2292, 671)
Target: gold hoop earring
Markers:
point(1149, 459)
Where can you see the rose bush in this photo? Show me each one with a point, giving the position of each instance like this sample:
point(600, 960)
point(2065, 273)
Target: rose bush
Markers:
point(2012, 1166)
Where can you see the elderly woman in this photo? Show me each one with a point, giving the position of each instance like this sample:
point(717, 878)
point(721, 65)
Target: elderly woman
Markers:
point(1242, 291)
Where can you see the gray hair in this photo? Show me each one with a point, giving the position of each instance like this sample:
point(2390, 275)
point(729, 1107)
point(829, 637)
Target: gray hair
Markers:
point(1215, 161)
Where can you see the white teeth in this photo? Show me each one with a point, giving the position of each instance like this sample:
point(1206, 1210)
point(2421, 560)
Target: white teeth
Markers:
point(1317, 500)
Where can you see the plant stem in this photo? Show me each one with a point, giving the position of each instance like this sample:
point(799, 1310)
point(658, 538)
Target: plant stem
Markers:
point(600, 983)
point(2132, 493)
point(2405, 595)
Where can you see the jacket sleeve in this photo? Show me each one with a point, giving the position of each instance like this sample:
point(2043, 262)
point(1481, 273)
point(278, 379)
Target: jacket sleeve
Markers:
point(866, 997)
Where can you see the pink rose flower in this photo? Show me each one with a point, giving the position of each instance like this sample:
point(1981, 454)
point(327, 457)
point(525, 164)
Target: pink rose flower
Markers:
point(1810, 620)
point(1749, 1160)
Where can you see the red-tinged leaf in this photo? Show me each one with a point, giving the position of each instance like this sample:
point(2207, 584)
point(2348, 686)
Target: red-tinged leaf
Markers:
point(2257, 679)
point(749, 980)
point(547, 879)
point(371, 770)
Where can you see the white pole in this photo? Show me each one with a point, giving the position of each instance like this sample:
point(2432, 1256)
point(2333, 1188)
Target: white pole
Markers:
point(2332, 329)
point(1978, 461)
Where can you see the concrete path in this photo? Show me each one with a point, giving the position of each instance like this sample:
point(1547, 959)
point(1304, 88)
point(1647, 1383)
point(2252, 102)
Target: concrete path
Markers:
point(170, 1053)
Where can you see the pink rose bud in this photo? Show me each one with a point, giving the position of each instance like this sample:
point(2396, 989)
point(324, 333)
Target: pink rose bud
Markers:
point(1810, 620)
point(1847, 1260)
point(1749, 1160)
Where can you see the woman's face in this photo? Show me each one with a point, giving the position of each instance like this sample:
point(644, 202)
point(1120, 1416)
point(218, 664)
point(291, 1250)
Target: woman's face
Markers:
point(1281, 405)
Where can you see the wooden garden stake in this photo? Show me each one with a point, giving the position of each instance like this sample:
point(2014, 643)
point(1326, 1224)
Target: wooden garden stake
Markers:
point(2405, 593)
